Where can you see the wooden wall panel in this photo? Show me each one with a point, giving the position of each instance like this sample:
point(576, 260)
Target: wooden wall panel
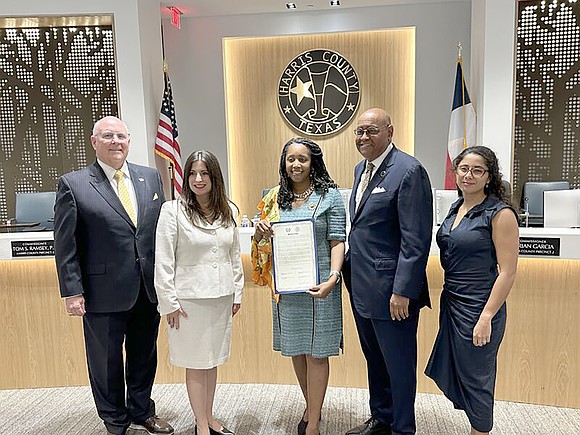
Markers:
point(42, 345)
point(385, 63)
point(539, 360)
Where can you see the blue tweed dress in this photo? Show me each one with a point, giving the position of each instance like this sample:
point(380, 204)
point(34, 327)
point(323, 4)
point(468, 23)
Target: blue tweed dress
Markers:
point(303, 325)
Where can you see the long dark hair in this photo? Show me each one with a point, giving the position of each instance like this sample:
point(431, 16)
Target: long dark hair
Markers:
point(219, 204)
point(494, 185)
point(318, 173)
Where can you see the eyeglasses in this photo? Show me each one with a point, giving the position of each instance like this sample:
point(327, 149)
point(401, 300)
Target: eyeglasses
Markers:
point(370, 131)
point(476, 172)
point(121, 137)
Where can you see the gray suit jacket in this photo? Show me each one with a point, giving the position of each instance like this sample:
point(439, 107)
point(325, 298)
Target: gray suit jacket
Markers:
point(99, 252)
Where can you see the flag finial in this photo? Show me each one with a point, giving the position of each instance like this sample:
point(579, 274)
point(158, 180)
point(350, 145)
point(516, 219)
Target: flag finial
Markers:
point(459, 50)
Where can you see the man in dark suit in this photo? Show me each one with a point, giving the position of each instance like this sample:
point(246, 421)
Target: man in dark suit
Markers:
point(391, 213)
point(104, 232)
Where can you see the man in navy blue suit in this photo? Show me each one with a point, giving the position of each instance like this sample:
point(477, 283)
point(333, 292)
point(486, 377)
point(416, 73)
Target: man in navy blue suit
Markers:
point(391, 213)
point(104, 230)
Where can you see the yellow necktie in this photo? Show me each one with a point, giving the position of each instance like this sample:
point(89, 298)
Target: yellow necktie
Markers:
point(123, 193)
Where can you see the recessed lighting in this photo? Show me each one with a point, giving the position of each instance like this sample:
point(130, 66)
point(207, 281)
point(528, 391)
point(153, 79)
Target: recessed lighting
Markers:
point(291, 5)
point(334, 3)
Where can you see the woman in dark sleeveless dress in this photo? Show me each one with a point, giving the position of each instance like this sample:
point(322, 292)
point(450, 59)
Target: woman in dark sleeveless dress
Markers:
point(478, 243)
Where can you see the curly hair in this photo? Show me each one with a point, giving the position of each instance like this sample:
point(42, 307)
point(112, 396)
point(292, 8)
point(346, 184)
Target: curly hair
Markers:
point(494, 185)
point(318, 173)
point(219, 203)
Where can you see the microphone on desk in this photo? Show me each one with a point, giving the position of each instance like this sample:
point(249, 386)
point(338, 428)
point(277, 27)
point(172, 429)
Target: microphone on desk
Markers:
point(526, 210)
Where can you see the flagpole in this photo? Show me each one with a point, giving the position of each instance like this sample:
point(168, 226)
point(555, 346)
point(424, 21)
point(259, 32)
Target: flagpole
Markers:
point(172, 180)
point(460, 60)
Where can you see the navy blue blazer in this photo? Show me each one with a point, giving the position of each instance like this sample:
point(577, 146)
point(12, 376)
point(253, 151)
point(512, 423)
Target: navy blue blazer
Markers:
point(390, 236)
point(99, 251)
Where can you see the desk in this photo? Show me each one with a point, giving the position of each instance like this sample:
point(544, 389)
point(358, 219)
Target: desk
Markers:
point(539, 361)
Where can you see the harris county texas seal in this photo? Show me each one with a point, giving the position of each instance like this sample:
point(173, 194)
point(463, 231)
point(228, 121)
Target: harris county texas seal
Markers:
point(318, 92)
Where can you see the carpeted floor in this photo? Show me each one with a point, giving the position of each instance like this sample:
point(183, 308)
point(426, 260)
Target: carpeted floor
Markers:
point(265, 409)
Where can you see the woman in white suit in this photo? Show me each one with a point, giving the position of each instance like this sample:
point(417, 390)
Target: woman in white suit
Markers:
point(199, 281)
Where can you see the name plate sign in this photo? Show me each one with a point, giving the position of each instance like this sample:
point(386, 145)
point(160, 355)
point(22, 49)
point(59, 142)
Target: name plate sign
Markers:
point(545, 246)
point(32, 248)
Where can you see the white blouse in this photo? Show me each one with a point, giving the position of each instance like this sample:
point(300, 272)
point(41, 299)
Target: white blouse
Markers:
point(195, 260)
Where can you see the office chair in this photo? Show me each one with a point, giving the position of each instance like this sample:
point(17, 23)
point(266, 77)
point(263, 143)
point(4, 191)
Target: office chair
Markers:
point(532, 202)
point(442, 201)
point(508, 188)
point(35, 207)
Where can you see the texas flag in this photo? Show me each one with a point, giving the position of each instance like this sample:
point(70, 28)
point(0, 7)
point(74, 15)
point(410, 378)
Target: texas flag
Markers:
point(461, 126)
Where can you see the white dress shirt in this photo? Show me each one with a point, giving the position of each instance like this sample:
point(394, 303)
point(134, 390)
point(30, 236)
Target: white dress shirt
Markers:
point(110, 173)
point(376, 162)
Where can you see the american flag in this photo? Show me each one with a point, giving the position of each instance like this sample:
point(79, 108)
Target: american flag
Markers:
point(166, 143)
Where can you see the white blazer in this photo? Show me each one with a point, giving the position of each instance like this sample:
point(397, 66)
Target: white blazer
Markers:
point(195, 260)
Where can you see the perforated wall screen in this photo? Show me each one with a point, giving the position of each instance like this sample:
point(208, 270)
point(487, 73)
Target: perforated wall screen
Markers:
point(55, 82)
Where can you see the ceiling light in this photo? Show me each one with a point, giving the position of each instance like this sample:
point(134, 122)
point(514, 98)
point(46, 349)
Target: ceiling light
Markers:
point(334, 3)
point(291, 5)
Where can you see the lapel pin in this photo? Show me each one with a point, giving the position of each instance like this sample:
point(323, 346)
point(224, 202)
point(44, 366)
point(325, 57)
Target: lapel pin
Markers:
point(141, 179)
point(383, 173)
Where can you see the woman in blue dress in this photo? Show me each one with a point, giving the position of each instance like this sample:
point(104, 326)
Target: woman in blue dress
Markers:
point(478, 243)
point(306, 326)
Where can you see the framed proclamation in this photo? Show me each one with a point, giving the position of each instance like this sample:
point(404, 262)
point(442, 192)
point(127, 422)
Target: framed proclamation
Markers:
point(294, 259)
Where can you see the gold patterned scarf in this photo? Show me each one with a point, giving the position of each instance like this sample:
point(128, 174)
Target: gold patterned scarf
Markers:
point(262, 250)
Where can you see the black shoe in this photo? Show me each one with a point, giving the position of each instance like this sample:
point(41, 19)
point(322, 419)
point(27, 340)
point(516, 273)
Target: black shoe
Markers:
point(302, 426)
point(371, 427)
point(223, 431)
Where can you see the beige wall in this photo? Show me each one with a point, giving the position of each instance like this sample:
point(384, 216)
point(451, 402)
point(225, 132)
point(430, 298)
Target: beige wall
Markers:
point(385, 64)
point(196, 63)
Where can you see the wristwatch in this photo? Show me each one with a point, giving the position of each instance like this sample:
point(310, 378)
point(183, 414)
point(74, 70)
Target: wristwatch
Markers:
point(335, 273)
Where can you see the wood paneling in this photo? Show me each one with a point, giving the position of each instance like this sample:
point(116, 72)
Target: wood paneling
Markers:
point(385, 63)
point(539, 360)
point(42, 344)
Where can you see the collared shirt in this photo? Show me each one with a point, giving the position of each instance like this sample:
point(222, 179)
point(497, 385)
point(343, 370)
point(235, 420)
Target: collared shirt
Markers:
point(376, 163)
point(110, 174)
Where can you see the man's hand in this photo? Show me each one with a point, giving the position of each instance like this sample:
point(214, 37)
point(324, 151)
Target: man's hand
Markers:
point(399, 307)
point(75, 305)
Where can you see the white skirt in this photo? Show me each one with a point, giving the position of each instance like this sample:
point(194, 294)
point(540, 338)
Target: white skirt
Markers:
point(203, 338)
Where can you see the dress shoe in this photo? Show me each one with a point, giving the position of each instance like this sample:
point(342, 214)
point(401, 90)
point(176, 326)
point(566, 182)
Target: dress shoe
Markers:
point(302, 425)
point(154, 425)
point(371, 427)
point(224, 431)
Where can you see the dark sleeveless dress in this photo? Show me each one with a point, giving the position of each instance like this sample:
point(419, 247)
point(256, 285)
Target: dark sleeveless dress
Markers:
point(466, 373)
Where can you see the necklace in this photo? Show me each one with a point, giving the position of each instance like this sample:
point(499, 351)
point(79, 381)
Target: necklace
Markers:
point(304, 195)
